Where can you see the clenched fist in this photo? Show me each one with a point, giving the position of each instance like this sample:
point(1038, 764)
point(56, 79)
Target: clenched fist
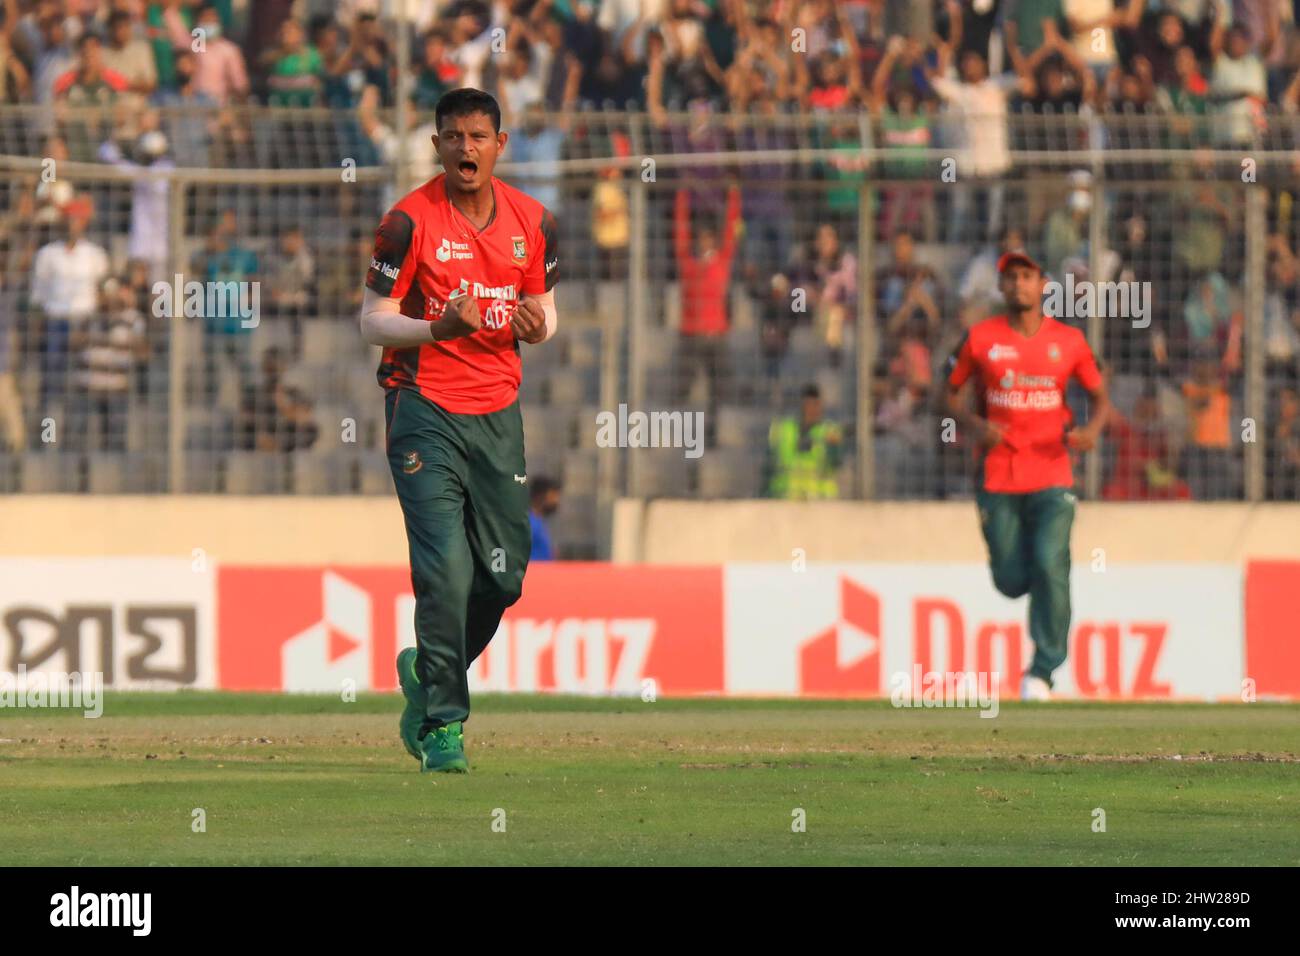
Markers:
point(529, 321)
point(460, 317)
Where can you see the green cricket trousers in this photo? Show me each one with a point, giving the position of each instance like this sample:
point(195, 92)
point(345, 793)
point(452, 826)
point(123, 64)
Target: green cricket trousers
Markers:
point(464, 495)
point(1028, 537)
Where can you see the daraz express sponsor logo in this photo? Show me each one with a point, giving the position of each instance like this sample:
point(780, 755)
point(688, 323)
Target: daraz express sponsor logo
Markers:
point(506, 292)
point(448, 250)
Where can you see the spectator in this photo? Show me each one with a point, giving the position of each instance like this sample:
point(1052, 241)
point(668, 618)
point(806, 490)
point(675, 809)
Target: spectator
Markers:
point(1186, 96)
point(46, 46)
point(1145, 458)
point(768, 214)
point(1282, 313)
point(13, 427)
point(847, 168)
point(778, 313)
point(15, 82)
point(905, 447)
point(363, 62)
point(471, 42)
point(274, 416)
point(293, 67)
point(906, 133)
point(544, 501)
point(130, 57)
point(108, 345)
point(906, 288)
point(340, 292)
point(190, 133)
point(420, 156)
point(1062, 81)
point(1093, 26)
point(611, 227)
point(834, 289)
point(705, 277)
point(978, 131)
point(539, 141)
point(66, 275)
point(1284, 473)
point(1160, 47)
point(89, 82)
point(762, 71)
point(1028, 24)
point(804, 453)
point(521, 79)
point(292, 276)
point(149, 226)
point(1210, 317)
point(1207, 461)
point(1238, 86)
point(436, 73)
point(228, 333)
point(1065, 234)
point(219, 69)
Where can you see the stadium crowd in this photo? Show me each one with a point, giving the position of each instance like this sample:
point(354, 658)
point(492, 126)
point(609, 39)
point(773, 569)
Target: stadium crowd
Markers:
point(979, 77)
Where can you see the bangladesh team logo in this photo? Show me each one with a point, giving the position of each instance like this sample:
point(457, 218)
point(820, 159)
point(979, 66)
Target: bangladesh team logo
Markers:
point(520, 250)
point(412, 464)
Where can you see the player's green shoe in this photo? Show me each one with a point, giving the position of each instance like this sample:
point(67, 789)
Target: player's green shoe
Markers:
point(444, 750)
point(413, 714)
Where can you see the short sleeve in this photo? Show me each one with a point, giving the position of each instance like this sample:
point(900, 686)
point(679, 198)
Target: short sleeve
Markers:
point(392, 262)
point(1086, 368)
point(961, 364)
point(543, 268)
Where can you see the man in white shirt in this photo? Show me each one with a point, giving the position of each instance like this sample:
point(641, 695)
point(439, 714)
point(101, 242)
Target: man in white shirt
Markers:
point(976, 130)
point(66, 275)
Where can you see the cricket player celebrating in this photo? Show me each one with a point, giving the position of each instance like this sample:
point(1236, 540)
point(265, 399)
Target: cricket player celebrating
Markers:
point(462, 272)
point(1021, 363)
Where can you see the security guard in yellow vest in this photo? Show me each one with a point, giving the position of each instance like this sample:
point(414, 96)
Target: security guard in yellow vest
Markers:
point(804, 453)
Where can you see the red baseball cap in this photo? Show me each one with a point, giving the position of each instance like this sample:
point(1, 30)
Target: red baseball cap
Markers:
point(1008, 259)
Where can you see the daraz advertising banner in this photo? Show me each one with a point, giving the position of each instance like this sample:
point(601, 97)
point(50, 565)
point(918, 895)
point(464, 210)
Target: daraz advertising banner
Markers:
point(1158, 631)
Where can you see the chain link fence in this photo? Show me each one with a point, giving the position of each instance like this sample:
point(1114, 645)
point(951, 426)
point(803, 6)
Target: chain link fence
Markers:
point(200, 334)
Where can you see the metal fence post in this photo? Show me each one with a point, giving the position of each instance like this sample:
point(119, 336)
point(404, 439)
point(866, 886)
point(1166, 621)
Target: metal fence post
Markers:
point(637, 287)
point(177, 351)
point(866, 346)
point(1255, 398)
point(1094, 332)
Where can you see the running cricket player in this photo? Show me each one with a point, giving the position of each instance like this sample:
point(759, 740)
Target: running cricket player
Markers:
point(463, 271)
point(1021, 363)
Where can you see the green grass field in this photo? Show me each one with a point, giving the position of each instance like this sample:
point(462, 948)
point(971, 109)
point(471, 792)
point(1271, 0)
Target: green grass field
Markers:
point(315, 780)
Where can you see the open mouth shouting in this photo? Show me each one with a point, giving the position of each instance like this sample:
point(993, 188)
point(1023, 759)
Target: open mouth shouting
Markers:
point(467, 170)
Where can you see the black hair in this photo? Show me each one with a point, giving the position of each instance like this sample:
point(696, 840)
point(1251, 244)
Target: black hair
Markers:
point(465, 102)
point(541, 486)
point(810, 391)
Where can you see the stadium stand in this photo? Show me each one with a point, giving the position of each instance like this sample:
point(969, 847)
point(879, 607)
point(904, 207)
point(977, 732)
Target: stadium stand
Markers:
point(753, 197)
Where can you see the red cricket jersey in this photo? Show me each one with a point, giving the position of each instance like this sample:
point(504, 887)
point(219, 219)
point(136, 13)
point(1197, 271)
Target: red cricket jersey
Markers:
point(1021, 383)
point(425, 249)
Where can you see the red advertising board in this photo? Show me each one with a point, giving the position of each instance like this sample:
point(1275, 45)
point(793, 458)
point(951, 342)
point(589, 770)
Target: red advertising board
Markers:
point(594, 628)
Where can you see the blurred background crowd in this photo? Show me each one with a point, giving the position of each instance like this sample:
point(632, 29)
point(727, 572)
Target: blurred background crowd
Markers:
point(811, 165)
